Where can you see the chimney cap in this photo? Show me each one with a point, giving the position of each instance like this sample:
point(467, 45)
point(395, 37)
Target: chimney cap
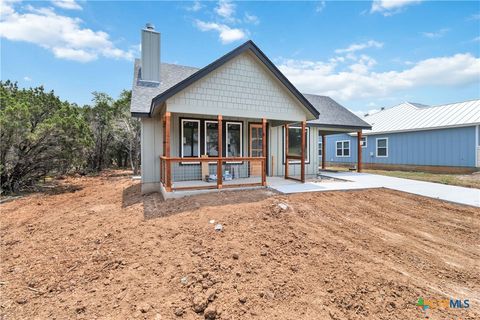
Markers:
point(149, 26)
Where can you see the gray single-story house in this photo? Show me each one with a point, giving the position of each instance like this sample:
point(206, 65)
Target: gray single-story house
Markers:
point(229, 124)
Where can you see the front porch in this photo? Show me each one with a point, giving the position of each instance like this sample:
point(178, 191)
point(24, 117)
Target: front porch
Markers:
point(210, 158)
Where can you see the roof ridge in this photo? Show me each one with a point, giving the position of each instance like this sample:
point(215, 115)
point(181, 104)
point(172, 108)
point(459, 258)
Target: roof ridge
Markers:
point(248, 45)
point(449, 104)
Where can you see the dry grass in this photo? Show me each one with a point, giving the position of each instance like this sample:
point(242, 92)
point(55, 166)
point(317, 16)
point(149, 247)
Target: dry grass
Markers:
point(461, 180)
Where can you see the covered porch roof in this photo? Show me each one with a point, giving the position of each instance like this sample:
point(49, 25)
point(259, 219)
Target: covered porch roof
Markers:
point(334, 118)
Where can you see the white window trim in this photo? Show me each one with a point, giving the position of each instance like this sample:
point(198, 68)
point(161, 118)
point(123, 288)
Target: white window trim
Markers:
point(376, 147)
point(343, 149)
point(181, 138)
point(307, 147)
point(366, 141)
point(226, 140)
point(205, 134)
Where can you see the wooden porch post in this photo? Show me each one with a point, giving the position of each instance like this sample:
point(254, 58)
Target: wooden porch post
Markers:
point(220, 154)
point(286, 151)
point(264, 152)
point(168, 164)
point(302, 161)
point(324, 147)
point(359, 151)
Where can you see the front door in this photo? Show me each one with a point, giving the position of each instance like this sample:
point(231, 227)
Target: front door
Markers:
point(256, 148)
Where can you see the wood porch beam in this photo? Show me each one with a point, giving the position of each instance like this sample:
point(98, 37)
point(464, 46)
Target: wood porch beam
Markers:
point(359, 151)
point(168, 164)
point(324, 153)
point(302, 161)
point(220, 153)
point(286, 150)
point(264, 152)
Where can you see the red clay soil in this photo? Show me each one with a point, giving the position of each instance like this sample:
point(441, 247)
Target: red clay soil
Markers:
point(104, 251)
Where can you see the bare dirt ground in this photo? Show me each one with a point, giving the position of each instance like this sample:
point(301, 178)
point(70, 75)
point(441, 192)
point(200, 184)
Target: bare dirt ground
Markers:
point(101, 250)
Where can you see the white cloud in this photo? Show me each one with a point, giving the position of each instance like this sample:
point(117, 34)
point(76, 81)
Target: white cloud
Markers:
point(475, 16)
point(196, 6)
point(226, 34)
point(225, 9)
point(363, 113)
point(27, 79)
point(320, 6)
point(437, 34)
point(390, 7)
point(250, 18)
point(64, 36)
point(67, 4)
point(360, 46)
point(477, 39)
point(358, 81)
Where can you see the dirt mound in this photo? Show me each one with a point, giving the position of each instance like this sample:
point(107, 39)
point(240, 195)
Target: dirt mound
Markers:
point(347, 255)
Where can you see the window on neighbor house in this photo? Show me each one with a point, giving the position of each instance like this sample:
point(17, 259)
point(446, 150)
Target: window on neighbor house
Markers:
point(382, 147)
point(190, 138)
point(295, 143)
point(343, 148)
point(320, 147)
point(234, 139)
point(211, 138)
point(363, 142)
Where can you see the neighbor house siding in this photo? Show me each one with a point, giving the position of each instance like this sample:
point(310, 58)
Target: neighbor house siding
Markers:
point(243, 86)
point(443, 147)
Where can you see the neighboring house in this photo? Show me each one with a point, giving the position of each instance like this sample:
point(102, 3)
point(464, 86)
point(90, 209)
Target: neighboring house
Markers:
point(226, 120)
point(415, 136)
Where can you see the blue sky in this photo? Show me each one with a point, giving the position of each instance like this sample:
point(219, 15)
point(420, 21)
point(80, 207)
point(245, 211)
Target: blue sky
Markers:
point(365, 54)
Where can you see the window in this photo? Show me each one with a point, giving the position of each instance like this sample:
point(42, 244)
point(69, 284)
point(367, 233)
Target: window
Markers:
point(382, 147)
point(363, 142)
point(190, 138)
point(320, 148)
point(343, 148)
point(211, 138)
point(233, 139)
point(295, 143)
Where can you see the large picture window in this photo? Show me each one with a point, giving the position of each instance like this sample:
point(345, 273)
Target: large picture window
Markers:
point(343, 148)
point(200, 137)
point(233, 139)
point(190, 138)
point(211, 138)
point(382, 147)
point(295, 143)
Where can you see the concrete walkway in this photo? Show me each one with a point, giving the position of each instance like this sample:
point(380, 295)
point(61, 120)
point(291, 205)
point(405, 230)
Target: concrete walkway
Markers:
point(353, 180)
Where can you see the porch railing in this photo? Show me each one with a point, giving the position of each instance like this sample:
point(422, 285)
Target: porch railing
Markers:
point(211, 172)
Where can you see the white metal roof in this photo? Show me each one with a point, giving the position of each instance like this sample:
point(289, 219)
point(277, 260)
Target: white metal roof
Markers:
point(413, 117)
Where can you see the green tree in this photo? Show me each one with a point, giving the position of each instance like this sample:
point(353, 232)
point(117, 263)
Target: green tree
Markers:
point(100, 117)
point(126, 133)
point(116, 134)
point(40, 135)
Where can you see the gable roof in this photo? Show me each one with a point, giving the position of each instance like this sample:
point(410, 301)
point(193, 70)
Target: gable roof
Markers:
point(334, 115)
point(247, 46)
point(414, 117)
